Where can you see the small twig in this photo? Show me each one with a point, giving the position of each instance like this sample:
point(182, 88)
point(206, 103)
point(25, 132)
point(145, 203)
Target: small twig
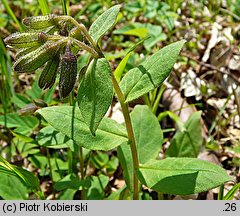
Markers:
point(237, 101)
point(212, 67)
point(230, 13)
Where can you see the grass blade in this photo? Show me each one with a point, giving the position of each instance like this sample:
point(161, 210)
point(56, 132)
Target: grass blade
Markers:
point(44, 7)
point(65, 7)
point(12, 15)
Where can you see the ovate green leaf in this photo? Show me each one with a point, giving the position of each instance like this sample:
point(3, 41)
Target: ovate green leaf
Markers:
point(95, 93)
point(14, 120)
point(103, 23)
point(148, 134)
point(149, 138)
point(116, 195)
point(151, 73)
point(182, 176)
point(126, 161)
point(188, 142)
point(71, 181)
point(12, 188)
point(51, 138)
point(97, 189)
point(70, 122)
point(120, 68)
point(27, 178)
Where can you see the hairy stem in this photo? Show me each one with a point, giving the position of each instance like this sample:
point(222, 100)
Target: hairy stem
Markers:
point(83, 29)
point(130, 132)
point(82, 45)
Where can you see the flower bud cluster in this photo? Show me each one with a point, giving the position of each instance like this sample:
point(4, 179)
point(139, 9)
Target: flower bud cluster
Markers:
point(47, 42)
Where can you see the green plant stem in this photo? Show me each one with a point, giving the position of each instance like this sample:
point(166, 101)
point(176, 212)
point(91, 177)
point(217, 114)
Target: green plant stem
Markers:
point(146, 100)
point(130, 132)
point(160, 196)
point(220, 193)
point(50, 169)
point(82, 45)
point(49, 164)
point(70, 153)
point(81, 163)
point(82, 170)
point(83, 29)
point(79, 153)
point(156, 102)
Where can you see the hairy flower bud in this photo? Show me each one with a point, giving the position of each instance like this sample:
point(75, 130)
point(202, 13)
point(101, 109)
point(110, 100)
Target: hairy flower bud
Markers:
point(24, 51)
point(40, 103)
point(38, 57)
point(49, 73)
point(68, 72)
point(27, 39)
point(40, 22)
point(28, 109)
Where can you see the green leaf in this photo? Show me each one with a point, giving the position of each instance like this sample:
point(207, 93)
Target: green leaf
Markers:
point(141, 30)
point(112, 165)
point(188, 142)
point(149, 138)
point(71, 181)
point(174, 117)
point(182, 176)
point(156, 35)
point(117, 194)
point(230, 194)
point(58, 166)
point(20, 100)
point(26, 149)
point(49, 137)
point(68, 194)
point(109, 135)
point(22, 137)
point(151, 73)
point(126, 161)
point(35, 92)
point(99, 160)
point(131, 29)
point(95, 93)
point(28, 178)
point(120, 68)
point(147, 132)
point(97, 189)
point(103, 23)
point(12, 188)
point(14, 120)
